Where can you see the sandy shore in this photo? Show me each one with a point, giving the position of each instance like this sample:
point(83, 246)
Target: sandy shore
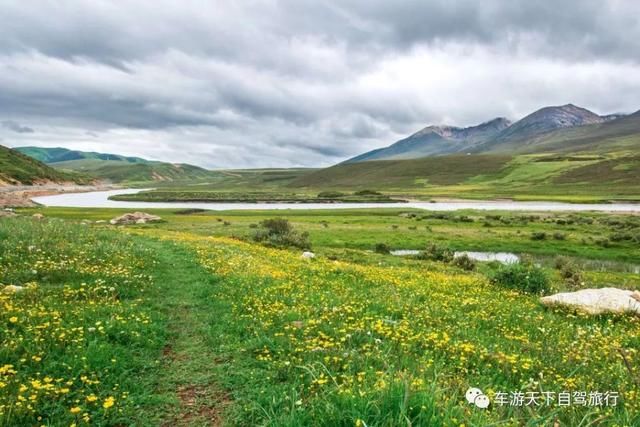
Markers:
point(20, 195)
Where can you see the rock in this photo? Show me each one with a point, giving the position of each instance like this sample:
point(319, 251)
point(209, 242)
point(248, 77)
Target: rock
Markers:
point(307, 255)
point(596, 301)
point(38, 216)
point(636, 296)
point(135, 218)
point(7, 214)
point(12, 289)
point(100, 221)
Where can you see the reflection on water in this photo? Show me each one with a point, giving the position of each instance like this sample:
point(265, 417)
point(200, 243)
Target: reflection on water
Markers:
point(503, 257)
point(100, 199)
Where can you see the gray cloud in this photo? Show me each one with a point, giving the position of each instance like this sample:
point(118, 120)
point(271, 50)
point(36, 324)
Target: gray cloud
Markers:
point(300, 82)
point(16, 127)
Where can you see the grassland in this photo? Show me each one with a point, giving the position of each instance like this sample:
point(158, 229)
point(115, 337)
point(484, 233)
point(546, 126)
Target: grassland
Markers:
point(551, 176)
point(188, 322)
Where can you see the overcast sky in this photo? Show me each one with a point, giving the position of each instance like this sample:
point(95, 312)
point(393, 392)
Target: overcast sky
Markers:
point(227, 84)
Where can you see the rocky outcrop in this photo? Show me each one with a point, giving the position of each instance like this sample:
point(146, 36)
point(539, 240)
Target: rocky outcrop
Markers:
point(597, 301)
point(307, 255)
point(135, 218)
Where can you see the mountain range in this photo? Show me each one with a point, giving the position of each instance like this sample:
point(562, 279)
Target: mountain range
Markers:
point(529, 134)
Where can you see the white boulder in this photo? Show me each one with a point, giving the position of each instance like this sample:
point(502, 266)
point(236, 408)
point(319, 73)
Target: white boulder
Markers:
point(596, 301)
point(135, 218)
point(307, 255)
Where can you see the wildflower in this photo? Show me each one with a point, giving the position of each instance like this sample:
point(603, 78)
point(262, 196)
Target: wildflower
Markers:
point(108, 402)
point(75, 409)
point(13, 319)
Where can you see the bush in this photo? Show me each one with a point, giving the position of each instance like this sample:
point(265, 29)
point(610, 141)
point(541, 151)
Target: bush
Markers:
point(382, 248)
point(523, 277)
point(434, 252)
point(559, 236)
point(464, 262)
point(367, 193)
point(330, 195)
point(538, 235)
point(278, 232)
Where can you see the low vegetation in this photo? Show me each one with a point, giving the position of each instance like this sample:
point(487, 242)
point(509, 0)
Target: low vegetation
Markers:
point(256, 335)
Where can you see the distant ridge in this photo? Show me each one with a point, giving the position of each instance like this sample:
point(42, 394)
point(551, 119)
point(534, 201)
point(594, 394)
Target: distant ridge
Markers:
point(59, 154)
point(114, 167)
point(495, 135)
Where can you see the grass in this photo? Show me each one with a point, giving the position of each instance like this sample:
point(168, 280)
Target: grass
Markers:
point(199, 327)
point(166, 195)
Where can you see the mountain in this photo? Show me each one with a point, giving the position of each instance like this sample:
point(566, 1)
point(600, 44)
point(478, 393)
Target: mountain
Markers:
point(58, 154)
point(17, 168)
point(619, 134)
point(539, 130)
point(545, 120)
point(436, 140)
point(114, 167)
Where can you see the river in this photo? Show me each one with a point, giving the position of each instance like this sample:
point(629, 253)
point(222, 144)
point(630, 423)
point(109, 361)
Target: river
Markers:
point(100, 199)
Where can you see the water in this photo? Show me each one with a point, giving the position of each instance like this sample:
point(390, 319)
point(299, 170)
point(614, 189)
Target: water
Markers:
point(100, 199)
point(503, 257)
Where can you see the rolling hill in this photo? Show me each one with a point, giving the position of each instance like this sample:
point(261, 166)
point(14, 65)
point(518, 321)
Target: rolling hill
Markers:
point(563, 128)
point(17, 168)
point(58, 154)
point(115, 168)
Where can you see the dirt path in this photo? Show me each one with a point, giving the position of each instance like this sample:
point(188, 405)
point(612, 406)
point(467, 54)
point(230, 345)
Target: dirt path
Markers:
point(188, 361)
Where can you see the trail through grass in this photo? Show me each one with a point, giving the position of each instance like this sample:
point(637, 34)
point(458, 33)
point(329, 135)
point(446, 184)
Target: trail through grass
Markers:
point(188, 358)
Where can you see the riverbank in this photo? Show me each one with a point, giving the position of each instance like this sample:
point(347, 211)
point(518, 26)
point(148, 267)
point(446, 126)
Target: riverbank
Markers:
point(22, 195)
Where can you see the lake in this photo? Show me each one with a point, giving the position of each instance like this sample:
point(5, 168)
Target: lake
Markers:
point(100, 199)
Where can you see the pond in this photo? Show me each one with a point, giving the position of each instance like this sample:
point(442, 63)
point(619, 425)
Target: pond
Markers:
point(503, 257)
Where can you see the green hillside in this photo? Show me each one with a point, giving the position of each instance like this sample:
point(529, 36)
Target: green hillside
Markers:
point(58, 154)
point(548, 176)
point(119, 171)
point(17, 168)
point(115, 168)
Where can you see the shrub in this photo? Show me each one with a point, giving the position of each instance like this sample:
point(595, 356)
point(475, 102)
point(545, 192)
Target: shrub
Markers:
point(523, 277)
point(330, 195)
point(464, 262)
point(434, 252)
point(382, 248)
point(278, 232)
point(367, 193)
point(604, 242)
point(538, 235)
point(559, 236)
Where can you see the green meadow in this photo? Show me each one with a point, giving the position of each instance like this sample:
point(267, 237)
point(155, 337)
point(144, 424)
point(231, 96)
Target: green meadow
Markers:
point(190, 321)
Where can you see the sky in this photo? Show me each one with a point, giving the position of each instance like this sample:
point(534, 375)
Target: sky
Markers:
point(299, 83)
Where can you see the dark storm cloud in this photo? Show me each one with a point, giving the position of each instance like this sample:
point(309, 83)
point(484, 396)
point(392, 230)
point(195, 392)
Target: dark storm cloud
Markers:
point(300, 82)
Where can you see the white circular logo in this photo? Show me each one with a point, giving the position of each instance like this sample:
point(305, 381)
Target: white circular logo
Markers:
point(475, 396)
